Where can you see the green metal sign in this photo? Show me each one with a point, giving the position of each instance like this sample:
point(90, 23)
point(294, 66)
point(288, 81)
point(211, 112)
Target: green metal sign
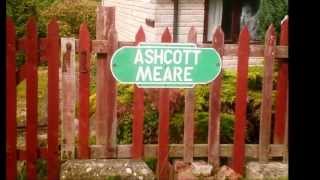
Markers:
point(165, 65)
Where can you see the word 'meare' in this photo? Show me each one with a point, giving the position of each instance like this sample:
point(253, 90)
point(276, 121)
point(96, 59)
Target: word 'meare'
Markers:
point(166, 64)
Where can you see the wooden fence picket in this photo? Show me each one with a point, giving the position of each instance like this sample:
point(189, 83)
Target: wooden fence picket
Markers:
point(282, 84)
point(52, 52)
point(11, 100)
point(105, 18)
point(188, 137)
point(285, 143)
point(68, 98)
point(163, 148)
point(84, 78)
point(32, 58)
point(111, 93)
point(241, 102)
point(266, 101)
point(214, 105)
point(138, 111)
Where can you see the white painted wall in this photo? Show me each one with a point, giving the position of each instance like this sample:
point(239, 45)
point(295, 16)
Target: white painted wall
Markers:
point(130, 15)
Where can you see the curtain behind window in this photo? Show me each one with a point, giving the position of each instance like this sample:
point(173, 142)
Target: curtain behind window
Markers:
point(214, 16)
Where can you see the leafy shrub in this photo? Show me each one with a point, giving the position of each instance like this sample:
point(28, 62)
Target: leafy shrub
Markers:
point(41, 166)
point(70, 14)
point(228, 90)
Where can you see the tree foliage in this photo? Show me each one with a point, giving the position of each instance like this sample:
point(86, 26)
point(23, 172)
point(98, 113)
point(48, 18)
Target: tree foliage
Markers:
point(271, 11)
point(70, 15)
point(21, 10)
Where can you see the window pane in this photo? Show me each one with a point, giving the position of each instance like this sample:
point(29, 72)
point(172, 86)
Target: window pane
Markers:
point(249, 9)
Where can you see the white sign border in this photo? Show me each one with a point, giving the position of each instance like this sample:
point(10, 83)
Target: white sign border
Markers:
point(155, 83)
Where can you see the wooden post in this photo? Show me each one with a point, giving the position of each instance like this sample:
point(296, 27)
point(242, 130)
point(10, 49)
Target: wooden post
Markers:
point(189, 112)
point(11, 100)
point(68, 91)
point(52, 52)
point(163, 149)
point(138, 112)
point(266, 102)
point(105, 18)
point(282, 84)
point(214, 106)
point(84, 78)
point(285, 144)
point(241, 102)
point(111, 94)
point(31, 51)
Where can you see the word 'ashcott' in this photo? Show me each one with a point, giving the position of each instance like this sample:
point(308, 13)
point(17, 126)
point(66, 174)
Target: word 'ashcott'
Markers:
point(168, 65)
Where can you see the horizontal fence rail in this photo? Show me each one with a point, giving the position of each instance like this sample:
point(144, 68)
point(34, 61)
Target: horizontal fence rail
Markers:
point(38, 50)
point(101, 46)
point(175, 151)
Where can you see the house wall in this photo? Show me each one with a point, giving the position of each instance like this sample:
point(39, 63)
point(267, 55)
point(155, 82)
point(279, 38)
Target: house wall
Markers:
point(130, 15)
point(163, 17)
point(190, 13)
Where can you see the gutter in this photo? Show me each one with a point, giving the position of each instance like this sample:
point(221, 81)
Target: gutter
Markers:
point(175, 20)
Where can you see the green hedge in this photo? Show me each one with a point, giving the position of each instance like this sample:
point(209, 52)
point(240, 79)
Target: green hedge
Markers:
point(125, 99)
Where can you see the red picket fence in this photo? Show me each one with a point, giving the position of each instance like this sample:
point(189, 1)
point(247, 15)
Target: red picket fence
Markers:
point(48, 49)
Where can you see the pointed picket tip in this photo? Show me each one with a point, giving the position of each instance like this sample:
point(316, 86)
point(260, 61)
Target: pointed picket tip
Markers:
point(31, 24)
point(99, 8)
point(218, 39)
point(284, 22)
point(9, 21)
point(285, 19)
point(217, 35)
point(113, 37)
point(244, 34)
point(166, 36)
point(140, 36)
point(84, 37)
point(192, 35)
point(53, 27)
point(270, 30)
point(10, 26)
point(53, 22)
point(217, 31)
point(10, 31)
point(270, 35)
point(192, 30)
point(284, 31)
point(245, 30)
point(83, 28)
point(31, 20)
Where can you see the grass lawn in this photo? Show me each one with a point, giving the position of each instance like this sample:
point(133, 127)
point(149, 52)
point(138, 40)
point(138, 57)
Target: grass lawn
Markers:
point(42, 97)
